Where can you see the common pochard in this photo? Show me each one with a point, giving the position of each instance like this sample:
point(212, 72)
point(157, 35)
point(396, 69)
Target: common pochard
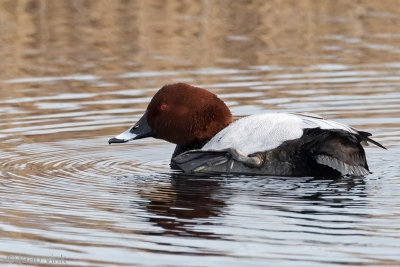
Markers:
point(283, 144)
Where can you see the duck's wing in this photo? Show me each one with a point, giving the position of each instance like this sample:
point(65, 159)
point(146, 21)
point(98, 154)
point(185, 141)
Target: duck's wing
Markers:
point(337, 149)
point(215, 161)
point(311, 120)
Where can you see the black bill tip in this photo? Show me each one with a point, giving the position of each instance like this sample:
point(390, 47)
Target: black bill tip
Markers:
point(116, 140)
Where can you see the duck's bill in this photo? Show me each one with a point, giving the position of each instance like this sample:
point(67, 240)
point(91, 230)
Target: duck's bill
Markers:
point(141, 129)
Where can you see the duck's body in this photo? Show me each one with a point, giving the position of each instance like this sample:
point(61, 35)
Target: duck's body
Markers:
point(269, 144)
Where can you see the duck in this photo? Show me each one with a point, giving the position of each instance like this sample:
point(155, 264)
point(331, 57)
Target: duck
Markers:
point(208, 141)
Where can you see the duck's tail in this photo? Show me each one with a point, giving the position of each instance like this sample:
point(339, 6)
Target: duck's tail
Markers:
point(365, 137)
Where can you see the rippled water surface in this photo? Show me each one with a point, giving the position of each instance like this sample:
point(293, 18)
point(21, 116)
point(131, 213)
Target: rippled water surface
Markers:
point(74, 73)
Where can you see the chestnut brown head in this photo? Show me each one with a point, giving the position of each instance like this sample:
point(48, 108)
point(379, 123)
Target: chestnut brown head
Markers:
point(181, 114)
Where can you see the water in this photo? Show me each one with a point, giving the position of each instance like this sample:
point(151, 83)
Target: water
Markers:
point(74, 73)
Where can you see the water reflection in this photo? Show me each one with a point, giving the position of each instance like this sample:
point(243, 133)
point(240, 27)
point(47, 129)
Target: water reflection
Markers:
point(182, 206)
point(185, 203)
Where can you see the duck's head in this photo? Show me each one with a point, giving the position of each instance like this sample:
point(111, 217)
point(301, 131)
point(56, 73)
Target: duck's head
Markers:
point(181, 114)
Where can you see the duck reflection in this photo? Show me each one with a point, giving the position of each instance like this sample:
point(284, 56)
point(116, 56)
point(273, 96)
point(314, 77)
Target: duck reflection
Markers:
point(339, 198)
point(185, 203)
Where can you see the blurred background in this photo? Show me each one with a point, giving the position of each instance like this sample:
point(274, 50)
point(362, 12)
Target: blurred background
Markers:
point(59, 56)
point(74, 73)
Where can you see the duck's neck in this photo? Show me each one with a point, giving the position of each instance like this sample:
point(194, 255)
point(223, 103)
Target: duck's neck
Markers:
point(179, 149)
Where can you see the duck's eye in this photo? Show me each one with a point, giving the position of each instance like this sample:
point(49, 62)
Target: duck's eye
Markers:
point(163, 107)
